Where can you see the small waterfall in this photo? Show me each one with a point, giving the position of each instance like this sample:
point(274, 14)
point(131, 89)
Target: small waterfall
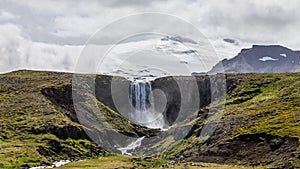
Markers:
point(131, 146)
point(142, 104)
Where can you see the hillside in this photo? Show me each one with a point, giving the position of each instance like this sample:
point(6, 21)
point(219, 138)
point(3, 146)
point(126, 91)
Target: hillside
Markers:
point(39, 125)
point(259, 125)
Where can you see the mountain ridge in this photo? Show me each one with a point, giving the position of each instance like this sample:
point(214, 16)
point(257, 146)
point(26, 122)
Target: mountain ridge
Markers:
point(260, 59)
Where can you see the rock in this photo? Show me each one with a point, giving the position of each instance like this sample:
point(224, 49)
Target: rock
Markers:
point(196, 164)
point(275, 143)
point(25, 166)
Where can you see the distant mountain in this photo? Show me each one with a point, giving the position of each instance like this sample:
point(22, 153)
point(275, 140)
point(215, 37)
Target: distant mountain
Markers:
point(261, 59)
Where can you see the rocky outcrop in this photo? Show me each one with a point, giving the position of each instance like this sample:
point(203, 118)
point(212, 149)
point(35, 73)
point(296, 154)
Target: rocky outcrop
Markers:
point(252, 149)
point(61, 96)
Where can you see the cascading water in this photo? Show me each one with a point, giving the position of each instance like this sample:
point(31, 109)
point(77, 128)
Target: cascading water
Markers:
point(131, 146)
point(142, 111)
point(142, 104)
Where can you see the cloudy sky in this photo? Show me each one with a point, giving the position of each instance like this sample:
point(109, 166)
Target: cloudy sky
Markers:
point(50, 34)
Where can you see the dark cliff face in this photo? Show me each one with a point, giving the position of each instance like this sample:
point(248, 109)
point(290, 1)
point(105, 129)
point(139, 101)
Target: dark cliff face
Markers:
point(62, 97)
point(179, 92)
point(107, 87)
point(168, 86)
point(261, 59)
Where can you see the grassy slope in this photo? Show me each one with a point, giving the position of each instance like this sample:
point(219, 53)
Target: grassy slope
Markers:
point(268, 104)
point(34, 129)
point(274, 112)
point(263, 107)
point(278, 106)
point(23, 108)
point(113, 162)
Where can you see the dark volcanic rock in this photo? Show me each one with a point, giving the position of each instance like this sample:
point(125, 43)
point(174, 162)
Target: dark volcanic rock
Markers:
point(105, 85)
point(261, 59)
point(254, 149)
point(182, 92)
point(62, 98)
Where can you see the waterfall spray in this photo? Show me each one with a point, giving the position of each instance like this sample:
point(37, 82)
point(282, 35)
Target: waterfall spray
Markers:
point(142, 104)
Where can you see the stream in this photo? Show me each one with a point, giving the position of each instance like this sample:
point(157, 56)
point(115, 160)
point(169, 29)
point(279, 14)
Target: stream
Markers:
point(55, 164)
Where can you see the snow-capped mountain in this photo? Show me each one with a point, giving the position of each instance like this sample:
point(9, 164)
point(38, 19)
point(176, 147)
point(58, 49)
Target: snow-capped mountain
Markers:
point(261, 59)
point(157, 56)
point(177, 45)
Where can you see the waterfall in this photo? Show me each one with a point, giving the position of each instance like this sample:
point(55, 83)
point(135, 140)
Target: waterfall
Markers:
point(142, 105)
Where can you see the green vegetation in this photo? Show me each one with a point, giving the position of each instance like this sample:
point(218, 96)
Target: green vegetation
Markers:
point(32, 127)
point(260, 125)
point(38, 123)
point(262, 115)
point(181, 147)
point(113, 162)
point(124, 126)
point(271, 105)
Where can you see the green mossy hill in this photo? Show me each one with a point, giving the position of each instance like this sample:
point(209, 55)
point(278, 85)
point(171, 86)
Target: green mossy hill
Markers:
point(260, 125)
point(39, 125)
point(33, 130)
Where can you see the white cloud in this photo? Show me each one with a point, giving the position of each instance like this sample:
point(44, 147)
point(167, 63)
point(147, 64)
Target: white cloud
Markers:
point(54, 24)
point(17, 51)
point(52, 57)
point(6, 16)
point(12, 47)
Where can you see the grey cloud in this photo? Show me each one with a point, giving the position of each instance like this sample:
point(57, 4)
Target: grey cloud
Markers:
point(252, 21)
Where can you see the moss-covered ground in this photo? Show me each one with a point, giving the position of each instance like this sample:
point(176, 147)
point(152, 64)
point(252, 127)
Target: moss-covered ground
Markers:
point(260, 125)
point(113, 162)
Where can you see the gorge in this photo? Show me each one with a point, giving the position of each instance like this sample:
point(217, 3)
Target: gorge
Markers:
point(255, 105)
